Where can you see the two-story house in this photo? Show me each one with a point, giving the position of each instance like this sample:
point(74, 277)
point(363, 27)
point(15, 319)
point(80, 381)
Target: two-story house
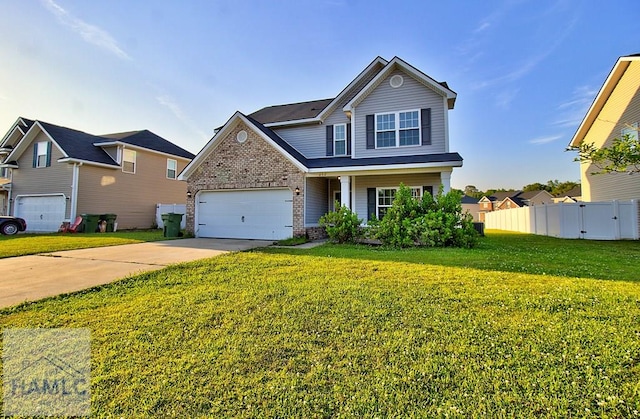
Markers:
point(51, 174)
point(273, 173)
point(614, 112)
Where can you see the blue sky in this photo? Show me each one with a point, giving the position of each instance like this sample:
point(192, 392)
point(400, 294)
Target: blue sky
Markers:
point(525, 71)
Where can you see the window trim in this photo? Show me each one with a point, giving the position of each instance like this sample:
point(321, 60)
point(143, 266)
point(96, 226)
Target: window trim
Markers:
point(396, 188)
point(135, 160)
point(175, 169)
point(632, 131)
point(45, 145)
point(335, 140)
point(397, 129)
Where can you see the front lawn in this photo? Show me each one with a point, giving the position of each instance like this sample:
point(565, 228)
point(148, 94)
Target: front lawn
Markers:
point(353, 332)
point(30, 244)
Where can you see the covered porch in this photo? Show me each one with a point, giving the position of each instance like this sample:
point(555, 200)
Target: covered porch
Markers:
point(367, 193)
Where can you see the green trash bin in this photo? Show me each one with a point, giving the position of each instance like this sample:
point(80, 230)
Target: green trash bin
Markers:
point(90, 222)
point(110, 219)
point(171, 223)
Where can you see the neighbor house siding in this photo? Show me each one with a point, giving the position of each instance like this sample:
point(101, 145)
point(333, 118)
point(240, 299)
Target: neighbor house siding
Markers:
point(623, 107)
point(316, 204)
point(364, 182)
point(412, 95)
point(310, 140)
point(132, 197)
point(55, 179)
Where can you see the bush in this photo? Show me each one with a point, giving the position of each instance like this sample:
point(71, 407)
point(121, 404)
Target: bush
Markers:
point(342, 225)
point(430, 221)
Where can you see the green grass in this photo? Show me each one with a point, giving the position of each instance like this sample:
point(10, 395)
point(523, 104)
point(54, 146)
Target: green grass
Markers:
point(292, 241)
point(508, 252)
point(30, 244)
point(355, 332)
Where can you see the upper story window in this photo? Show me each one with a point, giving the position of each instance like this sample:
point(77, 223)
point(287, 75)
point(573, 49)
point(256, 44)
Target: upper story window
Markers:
point(42, 154)
point(5, 172)
point(398, 129)
point(631, 130)
point(128, 161)
point(172, 168)
point(340, 139)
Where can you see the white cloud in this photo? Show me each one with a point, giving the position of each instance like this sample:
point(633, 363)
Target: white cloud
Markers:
point(90, 33)
point(575, 108)
point(545, 140)
point(505, 98)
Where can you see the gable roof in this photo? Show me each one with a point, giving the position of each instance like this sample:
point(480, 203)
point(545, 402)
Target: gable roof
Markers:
point(603, 96)
point(466, 199)
point(81, 146)
point(316, 111)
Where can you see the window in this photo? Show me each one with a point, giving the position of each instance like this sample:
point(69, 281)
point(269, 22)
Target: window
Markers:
point(5, 172)
point(128, 161)
point(387, 195)
point(172, 168)
point(42, 154)
point(340, 139)
point(631, 130)
point(398, 129)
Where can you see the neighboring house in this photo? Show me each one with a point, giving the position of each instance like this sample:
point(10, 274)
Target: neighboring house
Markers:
point(513, 199)
point(571, 196)
point(614, 112)
point(272, 174)
point(471, 205)
point(54, 173)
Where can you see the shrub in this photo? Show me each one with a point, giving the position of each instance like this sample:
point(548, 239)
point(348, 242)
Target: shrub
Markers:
point(431, 221)
point(342, 225)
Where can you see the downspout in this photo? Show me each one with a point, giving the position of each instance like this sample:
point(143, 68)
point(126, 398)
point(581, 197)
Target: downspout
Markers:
point(9, 194)
point(74, 191)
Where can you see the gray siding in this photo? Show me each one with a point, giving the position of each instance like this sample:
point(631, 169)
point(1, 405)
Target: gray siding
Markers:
point(364, 182)
point(54, 179)
point(316, 202)
point(310, 140)
point(411, 95)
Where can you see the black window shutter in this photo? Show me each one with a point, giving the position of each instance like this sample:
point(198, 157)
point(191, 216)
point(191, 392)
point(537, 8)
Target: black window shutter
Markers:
point(329, 140)
point(35, 155)
point(427, 190)
point(48, 154)
point(348, 139)
point(371, 203)
point(371, 137)
point(425, 115)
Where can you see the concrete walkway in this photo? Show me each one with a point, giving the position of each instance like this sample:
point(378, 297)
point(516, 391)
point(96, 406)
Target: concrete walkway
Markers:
point(30, 278)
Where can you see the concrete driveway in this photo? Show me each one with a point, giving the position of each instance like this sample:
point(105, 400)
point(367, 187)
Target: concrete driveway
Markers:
point(30, 278)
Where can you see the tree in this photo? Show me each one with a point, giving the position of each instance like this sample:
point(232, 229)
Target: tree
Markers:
point(536, 187)
point(622, 156)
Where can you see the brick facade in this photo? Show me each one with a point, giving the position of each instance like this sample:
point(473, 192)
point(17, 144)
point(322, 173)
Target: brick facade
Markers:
point(252, 164)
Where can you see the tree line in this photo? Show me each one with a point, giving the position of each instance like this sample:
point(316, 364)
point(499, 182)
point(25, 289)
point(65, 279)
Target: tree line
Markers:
point(554, 187)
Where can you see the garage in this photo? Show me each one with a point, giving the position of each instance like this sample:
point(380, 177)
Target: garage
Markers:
point(43, 213)
point(264, 214)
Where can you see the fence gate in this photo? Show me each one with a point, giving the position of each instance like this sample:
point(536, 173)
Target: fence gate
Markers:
point(599, 221)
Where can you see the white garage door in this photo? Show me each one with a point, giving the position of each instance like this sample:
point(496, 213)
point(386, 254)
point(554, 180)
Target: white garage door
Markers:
point(42, 213)
point(265, 214)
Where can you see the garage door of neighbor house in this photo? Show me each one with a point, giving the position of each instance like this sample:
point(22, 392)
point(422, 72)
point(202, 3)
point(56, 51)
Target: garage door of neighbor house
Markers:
point(265, 214)
point(42, 213)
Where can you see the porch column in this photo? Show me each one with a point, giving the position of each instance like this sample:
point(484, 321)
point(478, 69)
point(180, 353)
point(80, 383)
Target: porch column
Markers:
point(445, 179)
point(345, 193)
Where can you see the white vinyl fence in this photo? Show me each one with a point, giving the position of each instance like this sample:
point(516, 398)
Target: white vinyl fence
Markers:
point(612, 220)
point(175, 208)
